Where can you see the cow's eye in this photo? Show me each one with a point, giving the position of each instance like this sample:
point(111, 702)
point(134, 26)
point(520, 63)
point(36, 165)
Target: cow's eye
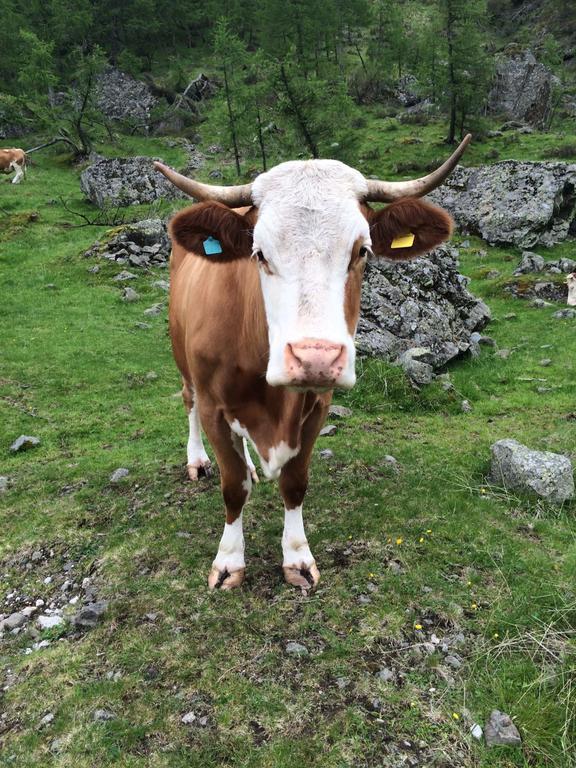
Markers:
point(260, 256)
point(366, 252)
point(263, 262)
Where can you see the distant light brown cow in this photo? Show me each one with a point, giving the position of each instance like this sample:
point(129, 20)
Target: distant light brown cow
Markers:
point(571, 282)
point(13, 160)
point(264, 304)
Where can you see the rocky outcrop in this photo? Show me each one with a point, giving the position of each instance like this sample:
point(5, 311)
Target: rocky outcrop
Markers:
point(144, 244)
point(513, 202)
point(422, 303)
point(121, 97)
point(522, 89)
point(126, 181)
point(533, 262)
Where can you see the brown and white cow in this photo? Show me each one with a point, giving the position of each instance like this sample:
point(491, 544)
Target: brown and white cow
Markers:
point(13, 160)
point(264, 304)
point(571, 283)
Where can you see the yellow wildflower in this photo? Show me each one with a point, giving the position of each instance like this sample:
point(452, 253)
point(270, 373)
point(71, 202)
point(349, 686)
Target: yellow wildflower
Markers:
point(399, 540)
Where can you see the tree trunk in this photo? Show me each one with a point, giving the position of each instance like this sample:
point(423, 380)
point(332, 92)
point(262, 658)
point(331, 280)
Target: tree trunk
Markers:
point(451, 72)
point(261, 140)
point(232, 121)
point(298, 114)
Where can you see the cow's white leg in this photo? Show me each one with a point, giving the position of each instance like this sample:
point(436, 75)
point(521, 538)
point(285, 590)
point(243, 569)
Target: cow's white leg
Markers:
point(197, 458)
point(249, 462)
point(19, 172)
point(228, 566)
point(571, 281)
point(298, 563)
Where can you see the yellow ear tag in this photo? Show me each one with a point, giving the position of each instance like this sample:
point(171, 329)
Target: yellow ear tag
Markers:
point(404, 241)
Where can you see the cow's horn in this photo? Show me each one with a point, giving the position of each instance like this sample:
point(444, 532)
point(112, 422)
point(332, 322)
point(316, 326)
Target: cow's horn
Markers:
point(231, 196)
point(387, 191)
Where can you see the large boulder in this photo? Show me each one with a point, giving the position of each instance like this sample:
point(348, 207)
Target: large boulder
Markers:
point(522, 89)
point(421, 303)
point(513, 202)
point(517, 468)
point(126, 181)
point(120, 97)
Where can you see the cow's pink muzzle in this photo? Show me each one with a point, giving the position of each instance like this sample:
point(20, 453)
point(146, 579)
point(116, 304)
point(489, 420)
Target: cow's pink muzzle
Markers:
point(314, 362)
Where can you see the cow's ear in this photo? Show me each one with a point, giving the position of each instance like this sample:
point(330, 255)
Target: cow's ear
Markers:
point(213, 231)
point(408, 228)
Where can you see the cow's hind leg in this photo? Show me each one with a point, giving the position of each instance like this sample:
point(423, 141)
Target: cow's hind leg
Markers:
point(236, 480)
point(298, 563)
point(19, 172)
point(197, 458)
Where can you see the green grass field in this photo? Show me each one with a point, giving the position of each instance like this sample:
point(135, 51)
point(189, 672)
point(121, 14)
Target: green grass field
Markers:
point(429, 550)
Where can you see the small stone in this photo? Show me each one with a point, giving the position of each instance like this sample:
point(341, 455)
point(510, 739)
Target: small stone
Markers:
point(119, 474)
point(329, 430)
point(342, 682)
point(46, 720)
point(151, 376)
point(94, 270)
point(129, 294)
point(326, 453)
point(493, 274)
point(49, 622)
point(296, 649)
point(188, 718)
point(28, 611)
point(392, 462)
point(36, 556)
point(510, 316)
point(89, 616)
point(24, 442)
point(565, 314)
point(386, 675)
point(364, 600)
point(501, 730)
point(545, 362)
point(155, 309)
point(125, 275)
point(453, 661)
point(13, 621)
point(396, 567)
point(47, 580)
point(164, 285)
point(339, 411)
point(103, 715)
point(503, 353)
point(476, 731)
point(143, 326)
point(465, 406)
point(3, 484)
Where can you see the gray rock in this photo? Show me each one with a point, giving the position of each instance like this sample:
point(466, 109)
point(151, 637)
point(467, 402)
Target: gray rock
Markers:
point(13, 621)
point(339, 411)
point(49, 622)
point(155, 309)
point(89, 616)
point(296, 649)
point(565, 314)
point(391, 462)
point(329, 430)
point(4, 483)
point(126, 181)
point(119, 474)
point(129, 294)
point(476, 731)
point(512, 202)
point(522, 89)
point(164, 285)
point(103, 715)
point(24, 442)
point(500, 730)
point(453, 661)
point(516, 467)
point(46, 720)
point(418, 371)
point(422, 303)
point(531, 262)
point(465, 406)
point(122, 98)
point(386, 675)
point(326, 453)
point(545, 362)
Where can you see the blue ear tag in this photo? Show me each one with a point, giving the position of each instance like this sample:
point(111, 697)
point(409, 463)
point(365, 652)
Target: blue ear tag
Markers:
point(212, 246)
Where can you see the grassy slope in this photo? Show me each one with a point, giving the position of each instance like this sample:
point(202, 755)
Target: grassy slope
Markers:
point(432, 545)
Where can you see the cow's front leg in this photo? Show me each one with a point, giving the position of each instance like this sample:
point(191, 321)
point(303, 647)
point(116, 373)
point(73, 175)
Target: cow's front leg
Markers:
point(19, 173)
point(298, 563)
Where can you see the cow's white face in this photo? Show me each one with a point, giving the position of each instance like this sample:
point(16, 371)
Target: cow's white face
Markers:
point(311, 236)
point(309, 222)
